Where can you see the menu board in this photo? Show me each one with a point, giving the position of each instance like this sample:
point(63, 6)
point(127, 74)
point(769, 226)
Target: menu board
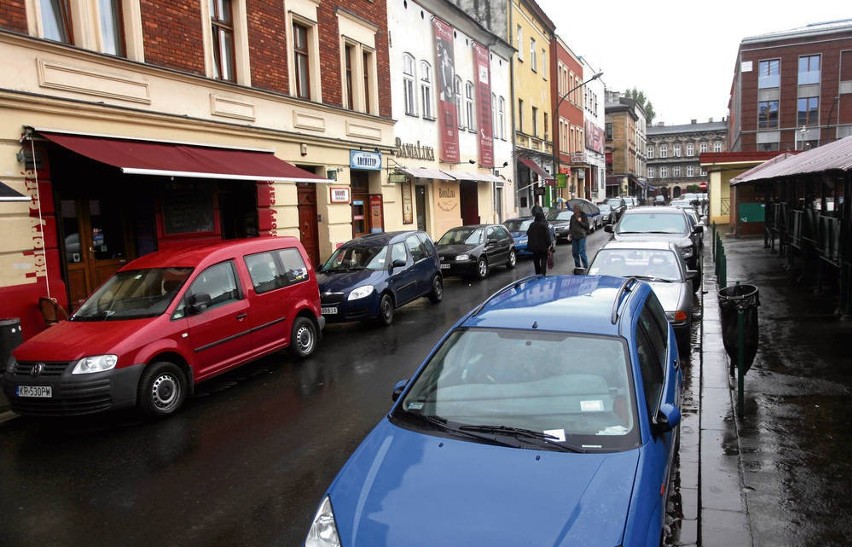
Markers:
point(188, 208)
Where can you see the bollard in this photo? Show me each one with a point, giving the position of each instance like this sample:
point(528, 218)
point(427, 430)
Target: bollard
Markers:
point(741, 364)
point(722, 276)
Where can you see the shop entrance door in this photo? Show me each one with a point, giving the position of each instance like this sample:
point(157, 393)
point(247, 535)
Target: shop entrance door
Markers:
point(307, 200)
point(95, 242)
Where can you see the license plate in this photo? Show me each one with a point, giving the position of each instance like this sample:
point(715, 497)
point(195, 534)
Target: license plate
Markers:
point(328, 311)
point(35, 391)
point(445, 266)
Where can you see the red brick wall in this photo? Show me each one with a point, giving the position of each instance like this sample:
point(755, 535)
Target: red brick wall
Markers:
point(13, 16)
point(267, 33)
point(172, 34)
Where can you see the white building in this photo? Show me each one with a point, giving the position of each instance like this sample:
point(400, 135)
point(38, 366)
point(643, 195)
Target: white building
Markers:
point(595, 122)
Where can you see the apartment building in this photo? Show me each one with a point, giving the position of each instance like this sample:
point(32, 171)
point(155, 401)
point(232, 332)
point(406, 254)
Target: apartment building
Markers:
point(674, 155)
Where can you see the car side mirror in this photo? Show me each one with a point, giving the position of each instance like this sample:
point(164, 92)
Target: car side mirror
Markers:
point(608, 228)
point(668, 418)
point(697, 229)
point(398, 388)
point(398, 263)
point(691, 274)
point(199, 302)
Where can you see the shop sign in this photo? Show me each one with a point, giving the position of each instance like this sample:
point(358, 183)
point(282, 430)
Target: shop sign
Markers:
point(339, 194)
point(396, 177)
point(366, 161)
point(415, 151)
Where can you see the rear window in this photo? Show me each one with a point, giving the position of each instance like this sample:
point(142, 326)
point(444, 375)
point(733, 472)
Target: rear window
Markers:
point(276, 269)
point(650, 222)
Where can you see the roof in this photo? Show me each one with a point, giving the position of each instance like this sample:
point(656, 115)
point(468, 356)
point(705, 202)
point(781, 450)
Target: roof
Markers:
point(835, 156)
point(813, 29)
point(656, 130)
point(562, 303)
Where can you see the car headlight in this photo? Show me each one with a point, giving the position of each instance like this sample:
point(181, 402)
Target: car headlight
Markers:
point(462, 258)
point(323, 532)
point(96, 363)
point(687, 251)
point(10, 364)
point(522, 241)
point(360, 292)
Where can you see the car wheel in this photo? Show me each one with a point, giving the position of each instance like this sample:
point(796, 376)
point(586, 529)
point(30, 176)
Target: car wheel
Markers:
point(162, 389)
point(513, 259)
point(386, 309)
point(303, 337)
point(482, 268)
point(437, 293)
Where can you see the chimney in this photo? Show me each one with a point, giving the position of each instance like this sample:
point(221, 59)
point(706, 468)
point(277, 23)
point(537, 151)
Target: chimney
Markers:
point(694, 121)
point(710, 120)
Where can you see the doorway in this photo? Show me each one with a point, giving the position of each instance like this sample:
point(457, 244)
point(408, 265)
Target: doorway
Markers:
point(420, 205)
point(307, 205)
point(469, 197)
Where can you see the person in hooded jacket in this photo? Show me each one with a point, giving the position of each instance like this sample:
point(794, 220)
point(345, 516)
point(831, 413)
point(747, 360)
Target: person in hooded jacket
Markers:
point(539, 240)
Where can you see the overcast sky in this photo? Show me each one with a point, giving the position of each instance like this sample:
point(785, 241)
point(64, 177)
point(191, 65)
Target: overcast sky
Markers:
point(680, 54)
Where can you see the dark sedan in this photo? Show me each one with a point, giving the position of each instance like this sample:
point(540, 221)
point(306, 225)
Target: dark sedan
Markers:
point(471, 251)
point(560, 219)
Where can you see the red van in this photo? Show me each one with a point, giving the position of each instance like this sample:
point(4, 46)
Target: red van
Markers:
point(165, 322)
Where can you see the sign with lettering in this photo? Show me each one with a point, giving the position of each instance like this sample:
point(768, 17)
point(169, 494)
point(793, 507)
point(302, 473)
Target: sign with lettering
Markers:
point(339, 194)
point(483, 94)
point(448, 121)
point(367, 161)
point(414, 151)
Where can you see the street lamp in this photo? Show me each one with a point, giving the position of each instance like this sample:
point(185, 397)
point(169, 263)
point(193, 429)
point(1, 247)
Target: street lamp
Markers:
point(556, 116)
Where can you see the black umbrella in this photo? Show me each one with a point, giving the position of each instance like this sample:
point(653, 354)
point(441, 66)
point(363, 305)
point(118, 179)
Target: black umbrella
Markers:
point(585, 205)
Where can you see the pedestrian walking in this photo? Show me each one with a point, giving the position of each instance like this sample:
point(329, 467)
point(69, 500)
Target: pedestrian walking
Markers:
point(578, 228)
point(539, 241)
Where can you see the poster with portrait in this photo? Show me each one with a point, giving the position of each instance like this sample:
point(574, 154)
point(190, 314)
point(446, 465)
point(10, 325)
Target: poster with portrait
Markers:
point(448, 117)
point(483, 102)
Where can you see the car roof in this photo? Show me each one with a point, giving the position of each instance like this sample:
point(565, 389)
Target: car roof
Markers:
point(651, 245)
point(380, 238)
point(562, 303)
point(191, 255)
point(665, 209)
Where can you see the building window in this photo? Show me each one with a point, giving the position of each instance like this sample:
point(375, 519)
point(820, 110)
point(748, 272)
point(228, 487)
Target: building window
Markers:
point(664, 172)
point(809, 70)
point(769, 73)
point(367, 69)
point(501, 116)
point(544, 63)
point(222, 20)
point(111, 27)
point(767, 115)
point(56, 20)
point(767, 147)
point(676, 150)
point(702, 148)
point(457, 94)
point(301, 61)
point(717, 146)
point(808, 111)
point(533, 59)
point(664, 151)
point(408, 77)
point(651, 152)
point(608, 131)
point(468, 105)
point(651, 172)
point(690, 149)
point(690, 170)
point(535, 121)
point(676, 171)
point(494, 132)
point(520, 115)
point(520, 43)
point(349, 62)
point(426, 89)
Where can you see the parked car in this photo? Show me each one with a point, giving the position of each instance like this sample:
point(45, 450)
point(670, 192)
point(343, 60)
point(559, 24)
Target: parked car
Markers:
point(548, 415)
point(592, 211)
point(607, 214)
point(560, 219)
point(631, 202)
point(472, 251)
point(167, 321)
point(659, 200)
point(369, 277)
point(618, 205)
point(662, 266)
point(662, 223)
point(518, 228)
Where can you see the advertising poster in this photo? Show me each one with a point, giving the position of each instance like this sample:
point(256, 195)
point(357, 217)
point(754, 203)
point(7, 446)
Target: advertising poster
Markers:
point(483, 101)
point(448, 118)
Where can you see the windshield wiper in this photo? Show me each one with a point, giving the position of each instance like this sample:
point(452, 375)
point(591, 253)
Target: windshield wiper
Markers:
point(652, 278)
point(443, 425)
point(521, 433)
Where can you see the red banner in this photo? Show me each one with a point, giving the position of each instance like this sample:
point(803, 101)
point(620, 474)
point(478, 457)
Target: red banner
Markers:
point(483, 101)
point(448, 117)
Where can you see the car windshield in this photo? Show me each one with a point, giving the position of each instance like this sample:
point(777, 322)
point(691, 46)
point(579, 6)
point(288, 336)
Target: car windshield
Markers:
point(604, 208)
point(615, 202)
point(573, 388)
point(653, 264)
point(650, 222)
point(462, 236)
point(133, 294)
point(559, 214)
point(519, 225)
point(356, 257)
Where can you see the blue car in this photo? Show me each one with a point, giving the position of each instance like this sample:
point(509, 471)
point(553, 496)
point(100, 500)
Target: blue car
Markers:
point(518, 228)
point(370, 276)
point(548, 415)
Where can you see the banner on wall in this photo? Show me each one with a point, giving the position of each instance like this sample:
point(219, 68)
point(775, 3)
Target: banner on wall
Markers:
point(448, 119)
point(483, 102)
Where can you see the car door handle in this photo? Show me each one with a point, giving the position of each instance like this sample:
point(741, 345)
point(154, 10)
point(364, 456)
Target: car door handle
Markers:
point(241, 316)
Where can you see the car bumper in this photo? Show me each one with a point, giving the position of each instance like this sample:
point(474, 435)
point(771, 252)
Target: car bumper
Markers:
point(459, 268)
point(351, 310)
point(71, 394)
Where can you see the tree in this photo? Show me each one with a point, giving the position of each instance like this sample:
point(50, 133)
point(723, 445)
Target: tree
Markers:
point(639, 97)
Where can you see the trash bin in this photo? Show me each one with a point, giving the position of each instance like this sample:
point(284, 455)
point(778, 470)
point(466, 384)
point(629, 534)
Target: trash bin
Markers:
point(10, 338)
point(732, 300)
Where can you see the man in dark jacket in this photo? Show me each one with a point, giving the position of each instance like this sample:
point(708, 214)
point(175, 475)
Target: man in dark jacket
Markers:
point(578, 227)
point(539, 241)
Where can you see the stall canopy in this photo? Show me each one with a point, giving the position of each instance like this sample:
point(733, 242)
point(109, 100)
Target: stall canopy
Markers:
point(835, 156)
point(426, 173)
point(8, 194)
point(140, 157)
point(544, 175)
point(479, 177)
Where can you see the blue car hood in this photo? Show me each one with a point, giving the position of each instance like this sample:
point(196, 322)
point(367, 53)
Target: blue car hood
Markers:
point(346, 281)
point(406, 488)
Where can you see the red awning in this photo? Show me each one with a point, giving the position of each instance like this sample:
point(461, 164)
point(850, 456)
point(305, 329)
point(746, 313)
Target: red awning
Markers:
point(140, 157)
point(542, 174)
